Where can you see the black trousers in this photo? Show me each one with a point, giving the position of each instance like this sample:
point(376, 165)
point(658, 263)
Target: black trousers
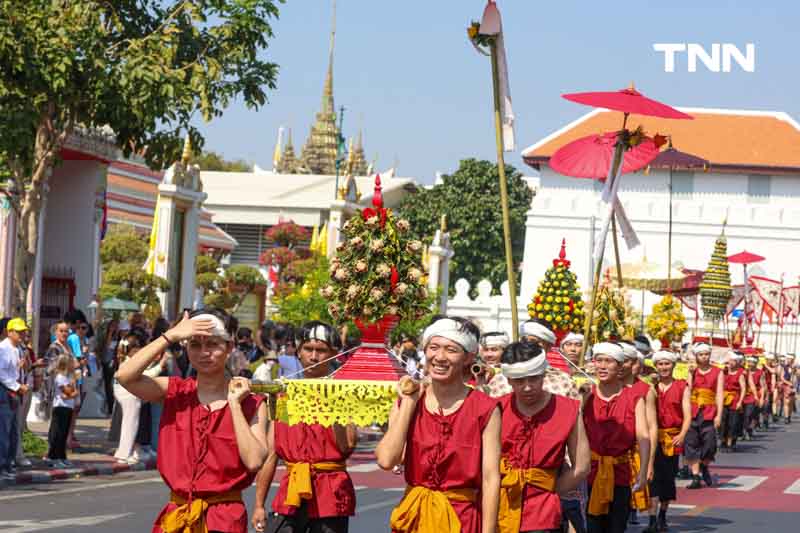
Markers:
point(664, 471)
point(701, 440)
point(57, 435)
point(731, 423)
point(750, 417)
point(108, 385)
point(301, 523)
point(617, 518)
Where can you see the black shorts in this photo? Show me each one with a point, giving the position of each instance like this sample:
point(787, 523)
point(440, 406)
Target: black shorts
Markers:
point(300, 523)
point(618, 512)
point(664, 470)
point(701, 440)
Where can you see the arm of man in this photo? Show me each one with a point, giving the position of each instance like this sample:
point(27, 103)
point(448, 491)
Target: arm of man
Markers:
point(263, 482)
point(390, 450)
point(250, 434)
point(490, 473)
point(651, 411)
point(720, 400)
point(346, 438)
point(686, 409)
point(643, 438)
point(579, 457)
point(743, 388)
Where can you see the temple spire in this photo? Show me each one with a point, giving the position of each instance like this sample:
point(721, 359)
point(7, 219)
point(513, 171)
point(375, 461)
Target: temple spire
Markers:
point(288, 162)
point(327, 90)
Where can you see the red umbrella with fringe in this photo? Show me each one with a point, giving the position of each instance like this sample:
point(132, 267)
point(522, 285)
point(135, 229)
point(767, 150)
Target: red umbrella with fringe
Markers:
point(629, 101)
point(591, 156)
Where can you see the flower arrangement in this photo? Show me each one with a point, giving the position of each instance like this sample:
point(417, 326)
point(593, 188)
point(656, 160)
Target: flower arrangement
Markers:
point(613, 319)
point(558, 298)
point(377, 270)
point(667, 322)
point(715, 289)
point(287, 233)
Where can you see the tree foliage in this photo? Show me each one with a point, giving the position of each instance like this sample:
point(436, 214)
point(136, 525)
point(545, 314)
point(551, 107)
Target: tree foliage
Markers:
point(470, 197)
point(143, 68)
point(123, 252)
point(300, 300)
point(215, 161)
point(229, 290)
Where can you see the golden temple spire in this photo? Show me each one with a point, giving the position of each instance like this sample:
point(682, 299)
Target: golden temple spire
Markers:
point(360, 167)
point(288, 161)
point(187, 150)
point(327, 90)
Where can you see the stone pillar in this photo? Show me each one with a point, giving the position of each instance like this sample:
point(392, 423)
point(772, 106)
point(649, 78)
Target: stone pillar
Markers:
point(440, 253)
point(335, 223)
point(8, 240)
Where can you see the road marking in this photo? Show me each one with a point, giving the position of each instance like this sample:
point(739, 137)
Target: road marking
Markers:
point(794, 488)
point(23, 526)
point(743, 483)
point(156, 479)
point(682, 483)
point(371, 507)
point(401, 489)
point(681, 506)
point(365, 467)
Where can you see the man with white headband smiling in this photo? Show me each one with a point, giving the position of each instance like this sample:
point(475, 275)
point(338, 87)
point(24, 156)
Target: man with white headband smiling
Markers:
point(615, 422)
point(317, 493)
point(212, 439)
point(448, 438)
point(490, 380)
point(539, 429)
point(706, 384)
point(674, 417)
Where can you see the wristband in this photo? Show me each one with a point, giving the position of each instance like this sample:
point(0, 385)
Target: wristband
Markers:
point(164, 336)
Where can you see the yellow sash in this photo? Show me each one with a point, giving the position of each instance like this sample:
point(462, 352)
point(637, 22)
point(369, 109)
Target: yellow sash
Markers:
point(511, 489)
point(299, 485)
point(424, 510)
point(703, 397)
point(603, 486)
point(665, 437)
point(728, 398)
point(191, 517)
point(640, 500)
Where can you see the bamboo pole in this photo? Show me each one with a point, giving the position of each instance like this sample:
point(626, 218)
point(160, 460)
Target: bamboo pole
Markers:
point(501, 169)
point(616, 249)
point(778, 326)
point(587, 322)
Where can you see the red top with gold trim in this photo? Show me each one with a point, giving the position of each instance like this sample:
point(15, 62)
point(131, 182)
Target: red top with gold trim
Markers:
point(444, 452)
point(670, 404)
point(611, 430)
point(333, 492)
point(539, 441)
point(706, 381)
point(198, 455)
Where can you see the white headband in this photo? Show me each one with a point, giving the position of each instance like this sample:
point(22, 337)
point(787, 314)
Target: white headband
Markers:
point(630, 351)
point(451, 330)
point(532, 367)
point(769, 356)
point(495, 339)
point(701, 347)
point(534, 329)
point(664, 355)
point(572, 337)
point(610, 349)
point(735, 356)
point(752, 359)
point(219, 326)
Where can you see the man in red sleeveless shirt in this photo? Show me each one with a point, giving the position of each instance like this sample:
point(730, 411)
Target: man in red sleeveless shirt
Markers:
point(753, 398)
point(733, 397)
point(674, 417)
point(316, 494)
point(448, 438)
point(770, 373)
point(539, 429)
point(615, 422)
point(211, 441)
point(706, 383)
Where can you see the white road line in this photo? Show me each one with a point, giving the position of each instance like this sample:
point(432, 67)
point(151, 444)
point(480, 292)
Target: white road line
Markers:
point(682, 483)
point(399, 489)
point(364, 467)
point(743, 483)
point(681, 506)
point(794, 488)
point(156, 479)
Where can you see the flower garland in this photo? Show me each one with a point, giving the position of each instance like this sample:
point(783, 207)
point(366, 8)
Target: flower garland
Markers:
point(613, 319)
point(667, 322)
point(377, 271)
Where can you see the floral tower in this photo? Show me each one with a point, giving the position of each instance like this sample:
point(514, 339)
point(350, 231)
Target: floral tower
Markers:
point(558, 298)
point(715, 289)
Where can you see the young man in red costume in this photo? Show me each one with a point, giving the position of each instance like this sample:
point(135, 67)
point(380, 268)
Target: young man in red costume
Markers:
point(674, 417)
point(631, 371)
point(706, 384)
point(212, 437)
point(316, 494)
point(539, 429)
point(615, 422)
point(734, 391)
point(448, 438)
point(752, 398)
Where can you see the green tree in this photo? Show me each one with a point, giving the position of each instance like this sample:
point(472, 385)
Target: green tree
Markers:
point(233, 287)
point(144, 68)
point(215, 161)
point(470, 197)
point(123, 252)
point(301, 301)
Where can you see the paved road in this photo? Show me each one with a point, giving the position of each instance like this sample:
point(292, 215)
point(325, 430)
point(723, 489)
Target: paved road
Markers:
point(764, 476)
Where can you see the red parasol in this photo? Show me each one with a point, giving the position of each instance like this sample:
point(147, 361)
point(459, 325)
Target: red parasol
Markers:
point(745, 258)
point(629, 101)
point(674, 159)
point(591, 156)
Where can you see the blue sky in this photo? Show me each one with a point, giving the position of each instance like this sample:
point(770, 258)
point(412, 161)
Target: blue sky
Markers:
point(407, 75)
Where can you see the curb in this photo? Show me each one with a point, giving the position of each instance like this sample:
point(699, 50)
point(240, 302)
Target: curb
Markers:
point(91, 469)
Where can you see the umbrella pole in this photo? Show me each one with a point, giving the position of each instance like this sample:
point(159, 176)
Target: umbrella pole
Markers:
point(669, 236)
point(778, 326)
point(642, 326)
point(501, 170)
point(616, 248)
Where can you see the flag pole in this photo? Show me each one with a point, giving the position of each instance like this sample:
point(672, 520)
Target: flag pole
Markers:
point(501, 170)
point(778, 326)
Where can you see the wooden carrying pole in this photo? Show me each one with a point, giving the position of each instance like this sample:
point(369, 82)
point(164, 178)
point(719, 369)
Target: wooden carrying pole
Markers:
point(501, 169)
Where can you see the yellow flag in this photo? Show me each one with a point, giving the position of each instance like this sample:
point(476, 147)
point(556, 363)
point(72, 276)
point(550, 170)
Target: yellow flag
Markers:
point(150, 265)
point(322, 246)
point(314, 245)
